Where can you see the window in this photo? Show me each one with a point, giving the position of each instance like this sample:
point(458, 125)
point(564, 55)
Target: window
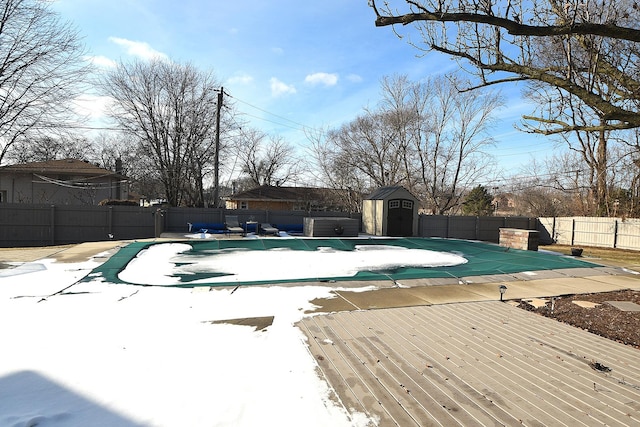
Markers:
point(244, 205)
point(394, 204)
point(407, 204)
point(3, 196)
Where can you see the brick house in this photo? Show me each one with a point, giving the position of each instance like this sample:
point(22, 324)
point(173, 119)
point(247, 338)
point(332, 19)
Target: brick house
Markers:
point(284, 199)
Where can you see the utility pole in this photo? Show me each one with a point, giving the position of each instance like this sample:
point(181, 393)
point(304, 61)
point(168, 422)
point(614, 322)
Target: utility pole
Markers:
point(216, 164)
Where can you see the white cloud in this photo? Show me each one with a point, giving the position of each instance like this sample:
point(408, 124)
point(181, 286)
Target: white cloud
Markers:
point(93, 106)
point(139, 49)
point(354, 78)
point(241, 78)
point(325, 79)
point(279, 88)
point(277, 50)
point(102, 61)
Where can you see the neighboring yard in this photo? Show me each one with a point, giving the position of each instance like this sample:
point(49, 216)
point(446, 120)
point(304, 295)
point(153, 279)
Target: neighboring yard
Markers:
point(610, 256)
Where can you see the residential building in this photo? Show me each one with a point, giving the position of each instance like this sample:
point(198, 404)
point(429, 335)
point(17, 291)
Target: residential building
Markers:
point(63, 182)
point(285, 198)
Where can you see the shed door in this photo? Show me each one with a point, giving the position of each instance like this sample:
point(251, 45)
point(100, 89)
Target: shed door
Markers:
point(400, 218)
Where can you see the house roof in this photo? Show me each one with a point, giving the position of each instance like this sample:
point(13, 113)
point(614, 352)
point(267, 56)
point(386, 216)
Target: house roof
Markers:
point(60, 167)
point(383, 193)
point(283, 194)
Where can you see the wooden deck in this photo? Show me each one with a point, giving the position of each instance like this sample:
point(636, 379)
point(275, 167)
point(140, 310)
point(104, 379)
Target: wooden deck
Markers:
point(474, 364)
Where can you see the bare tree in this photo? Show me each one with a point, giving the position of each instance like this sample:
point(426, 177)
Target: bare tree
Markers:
point(118, 152)
point(267, 160)
point(170, 109)
point(624, 194)
point(376, 149)
point(453, 137)
point(564, 179)
point(50, 147)
point(425, 136)
point(596, 44)
point(336, 173)
point(369, 146)
point(587, 49)
point(579, 58)
point(537, 201)
point(41, 67)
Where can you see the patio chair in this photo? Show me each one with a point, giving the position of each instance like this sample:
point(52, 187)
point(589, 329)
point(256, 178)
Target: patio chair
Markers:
point(232, 225)
point(266, 228)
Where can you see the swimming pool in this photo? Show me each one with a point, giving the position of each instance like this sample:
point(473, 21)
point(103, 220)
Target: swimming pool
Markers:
point(225, 262)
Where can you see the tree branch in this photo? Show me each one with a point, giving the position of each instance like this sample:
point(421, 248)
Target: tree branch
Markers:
point(564, 127)
point(495, 82)
point(513, 27)
point(609, 111)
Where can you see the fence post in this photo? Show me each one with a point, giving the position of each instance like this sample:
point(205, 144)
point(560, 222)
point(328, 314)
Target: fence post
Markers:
point(159, 222)
point(615, 233)
point(52, 222)
point(110, 220)
point(573, 230)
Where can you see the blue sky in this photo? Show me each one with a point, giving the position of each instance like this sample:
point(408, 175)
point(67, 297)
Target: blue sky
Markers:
point(287, 63)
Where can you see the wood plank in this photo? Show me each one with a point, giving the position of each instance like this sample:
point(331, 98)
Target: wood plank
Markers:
point(480, 363)
point(392, 412)
point(432, 392)
point(331, 365)
point(481, 370)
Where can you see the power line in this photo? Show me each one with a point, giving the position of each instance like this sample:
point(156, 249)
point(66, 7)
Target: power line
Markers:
point(295, 125)
point(67, 126)
point(303, 126)
point(277, 123)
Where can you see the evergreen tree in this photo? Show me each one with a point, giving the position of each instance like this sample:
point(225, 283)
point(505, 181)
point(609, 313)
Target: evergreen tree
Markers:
point(478, 202)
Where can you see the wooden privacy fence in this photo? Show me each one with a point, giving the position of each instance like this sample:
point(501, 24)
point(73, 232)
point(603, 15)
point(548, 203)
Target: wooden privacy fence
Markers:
point(485, 228)
point(591, 231)
point(45, 225)
point(42, 225)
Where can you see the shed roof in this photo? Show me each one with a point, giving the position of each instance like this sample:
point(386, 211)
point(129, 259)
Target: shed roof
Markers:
point(383, 193)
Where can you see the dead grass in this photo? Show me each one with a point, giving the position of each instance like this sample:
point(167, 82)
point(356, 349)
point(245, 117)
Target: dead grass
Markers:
point(615, 256)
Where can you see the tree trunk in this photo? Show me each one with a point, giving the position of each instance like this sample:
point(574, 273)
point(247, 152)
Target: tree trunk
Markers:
point(601, 171)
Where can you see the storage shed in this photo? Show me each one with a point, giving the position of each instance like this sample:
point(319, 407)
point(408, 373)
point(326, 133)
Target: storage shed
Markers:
point(390, 211)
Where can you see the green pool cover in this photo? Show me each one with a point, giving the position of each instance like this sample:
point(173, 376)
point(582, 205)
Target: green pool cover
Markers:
point(482, 258)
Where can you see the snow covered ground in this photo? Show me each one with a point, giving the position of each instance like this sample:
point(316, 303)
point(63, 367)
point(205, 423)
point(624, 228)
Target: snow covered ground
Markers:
point(160, 264)
point(103, 354)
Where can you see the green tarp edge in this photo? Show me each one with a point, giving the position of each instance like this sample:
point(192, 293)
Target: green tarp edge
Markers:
point(482, 258)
